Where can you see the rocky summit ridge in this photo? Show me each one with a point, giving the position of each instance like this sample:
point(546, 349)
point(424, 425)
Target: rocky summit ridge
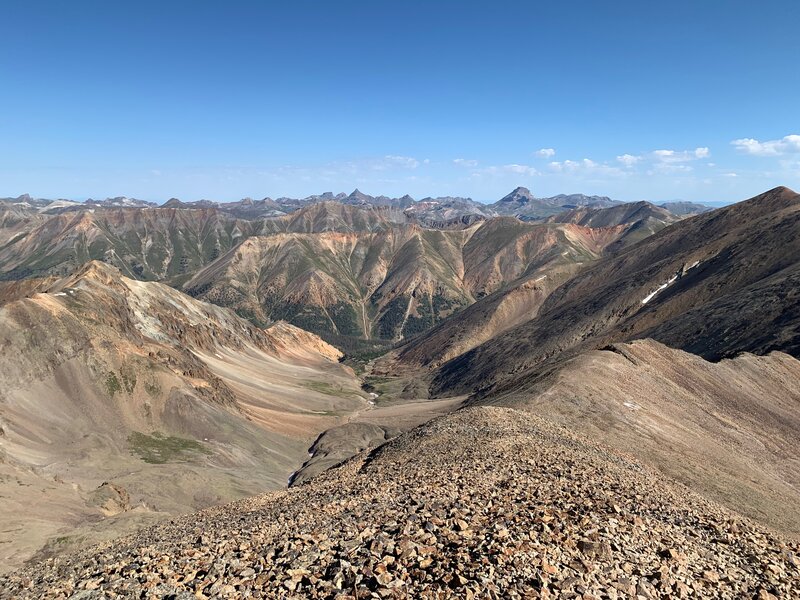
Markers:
point(483, 503)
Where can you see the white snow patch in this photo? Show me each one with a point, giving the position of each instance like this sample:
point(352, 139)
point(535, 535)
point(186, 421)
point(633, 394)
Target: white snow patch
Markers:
point(60, 294)
point(660, 288)
point(632, 405)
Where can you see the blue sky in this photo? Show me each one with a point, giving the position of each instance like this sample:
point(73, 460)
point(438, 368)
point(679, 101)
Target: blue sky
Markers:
point(687, 99)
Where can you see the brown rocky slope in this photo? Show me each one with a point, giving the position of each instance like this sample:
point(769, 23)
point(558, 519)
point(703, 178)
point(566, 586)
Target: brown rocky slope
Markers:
point(392, 283)
point(175, 403)
point(728, 430)
point(484, 503)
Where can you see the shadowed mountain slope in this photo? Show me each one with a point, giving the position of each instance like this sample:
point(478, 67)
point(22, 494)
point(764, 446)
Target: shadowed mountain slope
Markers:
point(518, 302)
point(716, 284)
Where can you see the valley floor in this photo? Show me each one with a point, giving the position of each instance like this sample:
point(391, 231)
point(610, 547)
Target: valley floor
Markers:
point(90, 494)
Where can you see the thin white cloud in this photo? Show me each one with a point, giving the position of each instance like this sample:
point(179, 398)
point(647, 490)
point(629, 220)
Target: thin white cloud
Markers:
point(583, 166)
point(520, 169)
point(628, 160)
point(730, 175)
point(465, 162)
point(407, 162)
point(789, 144)
point(681, 156)
point(546, 152)
point(503, 170)
point(670, 168)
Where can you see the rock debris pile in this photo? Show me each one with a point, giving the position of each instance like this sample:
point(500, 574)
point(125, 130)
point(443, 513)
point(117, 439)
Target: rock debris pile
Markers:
point(484, 503)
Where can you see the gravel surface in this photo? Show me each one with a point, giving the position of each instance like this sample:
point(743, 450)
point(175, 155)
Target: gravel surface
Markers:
point(484, 503)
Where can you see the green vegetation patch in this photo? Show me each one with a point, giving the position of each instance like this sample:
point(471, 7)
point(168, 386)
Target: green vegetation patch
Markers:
point(393, 315)
point(158, 448)
point(345, 318)
point(112, 384)
point(152, 388)
point(128, 375)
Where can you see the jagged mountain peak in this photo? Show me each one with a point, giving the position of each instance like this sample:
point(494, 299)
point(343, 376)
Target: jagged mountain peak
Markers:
point(359, 196)
point(520, 195)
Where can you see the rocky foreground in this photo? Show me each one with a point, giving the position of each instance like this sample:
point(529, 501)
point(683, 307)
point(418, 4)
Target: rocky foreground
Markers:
point(485, 503)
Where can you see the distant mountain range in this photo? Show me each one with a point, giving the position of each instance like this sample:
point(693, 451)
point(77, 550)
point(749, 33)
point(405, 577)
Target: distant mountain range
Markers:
point(520, 203)
point(364, 269)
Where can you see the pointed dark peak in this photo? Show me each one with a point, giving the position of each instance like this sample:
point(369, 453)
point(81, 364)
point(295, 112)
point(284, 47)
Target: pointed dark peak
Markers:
point(520, 195)
point(359, 196)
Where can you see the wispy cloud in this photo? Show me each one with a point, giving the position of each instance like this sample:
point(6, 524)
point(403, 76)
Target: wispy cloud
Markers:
point(584, 166)
point(629, 160)
point(510, 169)
point(520, 169)
point(681, 156)
point(406, 162)
point(789, 144)
point(669, 168)
point(546, 152)
point(465, 162)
